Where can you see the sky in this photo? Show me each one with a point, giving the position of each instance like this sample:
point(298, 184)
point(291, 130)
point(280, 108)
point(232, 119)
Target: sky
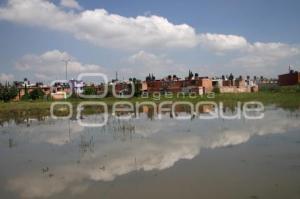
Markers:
point(135, 38)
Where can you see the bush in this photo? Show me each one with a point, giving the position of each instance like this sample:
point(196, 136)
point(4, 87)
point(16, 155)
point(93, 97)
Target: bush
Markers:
point(8, 92)
point(274, 89)
point(216, 90)
point(36, 93)
point(89, 91)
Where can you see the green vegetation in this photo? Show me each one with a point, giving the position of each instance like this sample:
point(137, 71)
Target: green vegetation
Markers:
point(216, 90)
point(8, 92)
point(281, 89)
point(37, 93)
point(89, 91)
point(286, 97)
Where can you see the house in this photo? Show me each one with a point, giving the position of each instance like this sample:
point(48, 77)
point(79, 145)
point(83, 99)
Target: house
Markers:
point(27, 85)
point(122, 87)
point(173, 84)
point(289, 79)
point(60, 90)
point(238, 85)
point(77, 86)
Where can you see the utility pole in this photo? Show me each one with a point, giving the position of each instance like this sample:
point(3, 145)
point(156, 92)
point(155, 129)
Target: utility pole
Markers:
point(66, 61)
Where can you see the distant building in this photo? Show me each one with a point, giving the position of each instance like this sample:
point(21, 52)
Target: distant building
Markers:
point(26, 85)
point(60, 90)
point(77, 86)
point(289, 79)
point(122, 87)
point(238, 85)
point(173, 84)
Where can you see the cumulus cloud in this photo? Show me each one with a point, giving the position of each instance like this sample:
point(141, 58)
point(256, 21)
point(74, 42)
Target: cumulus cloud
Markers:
point(6, 77)
point(262, 54)
point(70, 4)
point(100, 27)
point(50, 65)
point(261, 57)
point(115, 31)
point(221, 43)
point(141, 33)
point(142, 63)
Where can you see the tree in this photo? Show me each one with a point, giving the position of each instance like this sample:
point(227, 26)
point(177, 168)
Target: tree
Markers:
point(190, 74)
point(13, 91)
point(89, 90)
point(36, 93)
point(152, 77)
point(8, 92)
point(137, 90)
point(26, 95)
point(231, 78)
point(261, 78)
point(148, 78)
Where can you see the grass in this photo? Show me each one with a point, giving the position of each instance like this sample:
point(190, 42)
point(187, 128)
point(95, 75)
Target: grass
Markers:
point(286, 97)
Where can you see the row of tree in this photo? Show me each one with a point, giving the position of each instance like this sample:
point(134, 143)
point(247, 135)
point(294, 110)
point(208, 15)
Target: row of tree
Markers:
point(9, 92)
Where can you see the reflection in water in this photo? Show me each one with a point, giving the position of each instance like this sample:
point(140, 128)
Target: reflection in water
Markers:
point(49, 157)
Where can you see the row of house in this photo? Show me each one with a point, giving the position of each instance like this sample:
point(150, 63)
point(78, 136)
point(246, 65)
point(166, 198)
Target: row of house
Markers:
point(197, 84)
point(59, 90)
point(63, 89)
point(172, 84)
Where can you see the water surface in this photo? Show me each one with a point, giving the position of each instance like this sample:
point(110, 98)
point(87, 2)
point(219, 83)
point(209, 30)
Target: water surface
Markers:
point(150, 158)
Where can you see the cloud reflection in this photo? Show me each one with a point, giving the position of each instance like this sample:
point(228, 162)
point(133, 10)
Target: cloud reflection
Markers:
point(157, 145)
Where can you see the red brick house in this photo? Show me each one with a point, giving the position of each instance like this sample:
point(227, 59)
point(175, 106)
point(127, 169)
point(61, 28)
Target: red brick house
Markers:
point(176, 85)
point(289, 79)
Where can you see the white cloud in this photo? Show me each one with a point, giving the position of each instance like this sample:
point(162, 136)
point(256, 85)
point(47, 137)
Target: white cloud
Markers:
point(142, 63)
point(114, 31)
point(143, 33)
point(221, 43)
point(265, 56)
point(70, 4)
point(279, 50)
point(100, 27)
point(50, 65)
point(6, 77)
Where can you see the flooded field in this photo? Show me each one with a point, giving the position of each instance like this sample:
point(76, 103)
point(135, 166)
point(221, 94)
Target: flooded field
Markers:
point(151, 158)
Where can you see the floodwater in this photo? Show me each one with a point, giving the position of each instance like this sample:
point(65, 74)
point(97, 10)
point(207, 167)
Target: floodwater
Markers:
point(151, 158)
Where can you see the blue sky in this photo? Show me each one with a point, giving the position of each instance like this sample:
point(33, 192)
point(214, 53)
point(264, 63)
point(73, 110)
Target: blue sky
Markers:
point(257, 20)
point(138, 37)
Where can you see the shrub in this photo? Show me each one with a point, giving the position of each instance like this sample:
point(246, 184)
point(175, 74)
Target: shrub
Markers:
point(89, 91)
point(216, 90)
point(36, 93)
point(8, 92)
point(26, 95)
point(274, 89)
